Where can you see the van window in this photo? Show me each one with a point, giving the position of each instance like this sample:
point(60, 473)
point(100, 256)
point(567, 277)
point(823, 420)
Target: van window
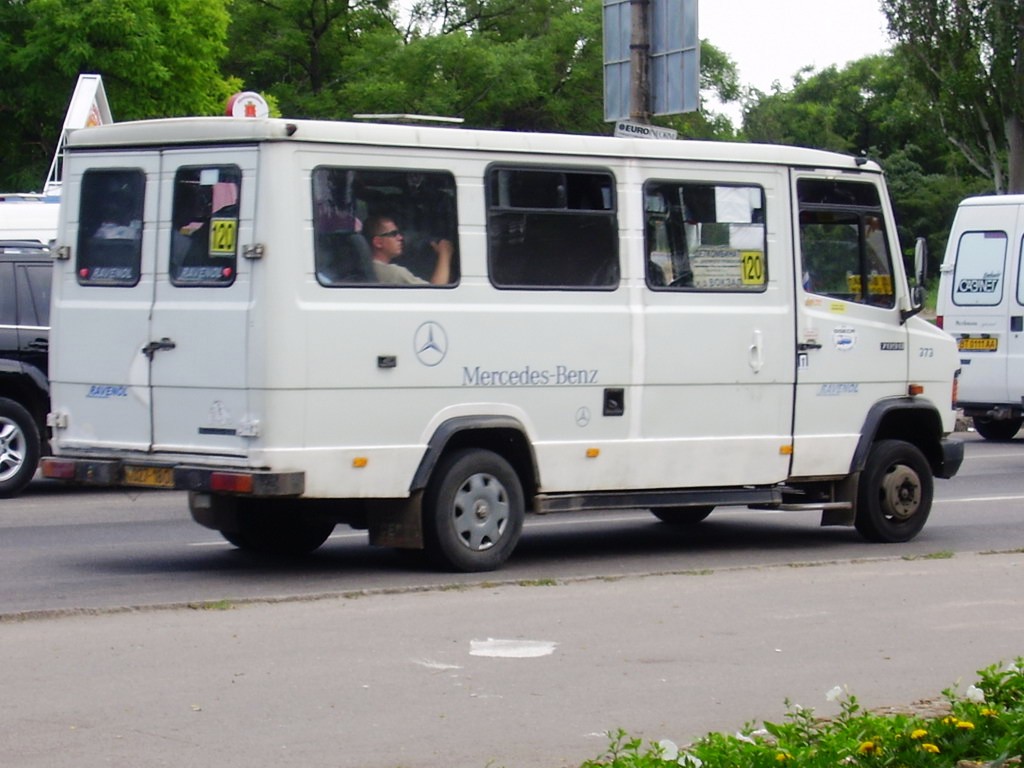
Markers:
point(110, 227)
point(406, 217)
point(552, 228)
point(204, 238)
point(704, 237)
point(844, 249)
point(978, 275)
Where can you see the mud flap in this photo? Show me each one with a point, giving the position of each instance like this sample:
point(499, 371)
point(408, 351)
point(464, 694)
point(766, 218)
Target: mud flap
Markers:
point(843, 490)
point(397, 523)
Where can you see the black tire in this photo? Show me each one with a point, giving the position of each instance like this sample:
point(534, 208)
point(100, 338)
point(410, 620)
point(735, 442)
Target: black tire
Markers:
point(19, 448)
point(472, 511)
point(682, 515)
point(894, 496)
point(277, 533)
point(999, 430)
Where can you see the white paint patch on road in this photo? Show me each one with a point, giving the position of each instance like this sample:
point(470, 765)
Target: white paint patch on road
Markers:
point(440, 665)
point(511, 649)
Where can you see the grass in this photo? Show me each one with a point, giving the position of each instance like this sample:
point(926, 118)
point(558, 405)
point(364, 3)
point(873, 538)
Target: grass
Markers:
point(983, 727)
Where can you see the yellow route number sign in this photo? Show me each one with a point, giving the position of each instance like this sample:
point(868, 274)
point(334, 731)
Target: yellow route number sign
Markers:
point(223, 234)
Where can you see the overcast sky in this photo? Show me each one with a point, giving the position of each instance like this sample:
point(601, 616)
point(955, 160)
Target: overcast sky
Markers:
point(771, 39)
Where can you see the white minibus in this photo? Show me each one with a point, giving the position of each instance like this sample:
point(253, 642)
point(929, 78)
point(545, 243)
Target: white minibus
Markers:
point(981, 303)
point(432, 332)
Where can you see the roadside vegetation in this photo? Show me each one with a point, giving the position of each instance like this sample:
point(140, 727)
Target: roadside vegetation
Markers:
point(979, 727)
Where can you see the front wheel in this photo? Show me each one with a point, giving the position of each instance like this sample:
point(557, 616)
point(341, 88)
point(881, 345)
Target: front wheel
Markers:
point(894, 495)
point(19, 447)
point(472, 511)
point(999, 430)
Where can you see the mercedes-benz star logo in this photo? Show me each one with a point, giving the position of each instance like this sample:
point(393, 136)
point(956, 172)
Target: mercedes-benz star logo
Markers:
point(430, 343)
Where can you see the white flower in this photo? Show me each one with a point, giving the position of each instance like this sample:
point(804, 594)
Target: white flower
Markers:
point(690, 761)
point(975, 694)
point(669, 750)
point(834, 693)
point(744, 737)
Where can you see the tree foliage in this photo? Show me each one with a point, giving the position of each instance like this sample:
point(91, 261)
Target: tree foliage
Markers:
point(157, 58)
point(870, 108)
point(968, 55)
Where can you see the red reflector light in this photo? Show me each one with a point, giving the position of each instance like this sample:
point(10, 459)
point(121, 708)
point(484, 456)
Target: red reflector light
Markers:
point(229, 482)
point(57, 469)
point(938, 320)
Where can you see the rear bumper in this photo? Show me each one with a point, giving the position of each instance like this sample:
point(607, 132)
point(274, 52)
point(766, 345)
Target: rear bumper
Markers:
point(181, 477)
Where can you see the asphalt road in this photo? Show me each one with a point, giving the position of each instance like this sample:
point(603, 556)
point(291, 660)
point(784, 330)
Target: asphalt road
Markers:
point(63, 548)
point(359, 657)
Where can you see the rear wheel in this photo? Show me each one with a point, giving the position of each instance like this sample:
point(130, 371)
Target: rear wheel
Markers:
point(19, 447)
point(997, 429)
point(277, 532)
point(894, 496)
point(682, 515)
point(472, 511)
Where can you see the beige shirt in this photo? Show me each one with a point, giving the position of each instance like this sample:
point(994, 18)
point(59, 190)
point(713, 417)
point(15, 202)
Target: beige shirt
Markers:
point(392, 274)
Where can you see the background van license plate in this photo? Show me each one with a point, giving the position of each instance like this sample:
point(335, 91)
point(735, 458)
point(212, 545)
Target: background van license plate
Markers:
point(152, 477)
point(978, 344)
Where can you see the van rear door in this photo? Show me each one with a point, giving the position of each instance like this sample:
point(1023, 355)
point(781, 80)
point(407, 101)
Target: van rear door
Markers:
point(102, 294)
point(197, 349)
point(151, 349)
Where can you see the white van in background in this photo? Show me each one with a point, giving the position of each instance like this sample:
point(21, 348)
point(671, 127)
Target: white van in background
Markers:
point(29, 217)
point(981, 303)
point(255, 311)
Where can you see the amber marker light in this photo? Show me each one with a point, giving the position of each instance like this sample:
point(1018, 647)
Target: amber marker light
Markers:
point(915, 389)
point(359, 462)
point(593, 453)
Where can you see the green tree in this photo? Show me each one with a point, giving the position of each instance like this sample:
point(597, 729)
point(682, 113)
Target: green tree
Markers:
point(869, 107)
point(158, 58)
point(969, 57)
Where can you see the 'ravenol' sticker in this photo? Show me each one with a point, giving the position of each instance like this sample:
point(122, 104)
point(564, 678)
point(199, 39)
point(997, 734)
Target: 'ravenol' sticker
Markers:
point(106, 391)
point(835, 389)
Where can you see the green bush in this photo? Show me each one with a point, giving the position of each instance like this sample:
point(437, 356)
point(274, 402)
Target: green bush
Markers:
point(983, 726)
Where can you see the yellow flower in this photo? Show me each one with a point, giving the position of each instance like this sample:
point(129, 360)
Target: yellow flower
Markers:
point(781, 757)
point(949, 720)
point(964, 725)
point(989, 713)
point(930, 748)
point(869, 748)
point(919, 733)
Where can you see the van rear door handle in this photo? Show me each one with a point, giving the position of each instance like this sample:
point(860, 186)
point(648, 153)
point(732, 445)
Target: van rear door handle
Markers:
point(803, 346)
point(155, 346)
point(1016, 323)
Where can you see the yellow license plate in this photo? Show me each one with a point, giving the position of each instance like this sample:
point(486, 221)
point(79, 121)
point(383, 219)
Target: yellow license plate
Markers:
point(150, 477)
point(978, 344)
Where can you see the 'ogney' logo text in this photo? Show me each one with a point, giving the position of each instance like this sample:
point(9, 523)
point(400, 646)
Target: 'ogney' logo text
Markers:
point(987, 283)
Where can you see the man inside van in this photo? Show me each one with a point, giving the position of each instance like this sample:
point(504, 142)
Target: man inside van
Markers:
point(386, 244)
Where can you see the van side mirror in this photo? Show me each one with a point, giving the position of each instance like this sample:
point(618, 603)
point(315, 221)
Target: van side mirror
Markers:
point(920, 261)
point(920, 270)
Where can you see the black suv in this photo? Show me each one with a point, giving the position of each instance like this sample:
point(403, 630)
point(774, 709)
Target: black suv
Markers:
point(25, 274)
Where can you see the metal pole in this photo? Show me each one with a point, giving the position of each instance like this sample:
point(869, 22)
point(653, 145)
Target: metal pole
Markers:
point(639, 60)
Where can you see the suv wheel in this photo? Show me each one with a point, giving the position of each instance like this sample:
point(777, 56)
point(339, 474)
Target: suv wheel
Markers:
point(19, 447)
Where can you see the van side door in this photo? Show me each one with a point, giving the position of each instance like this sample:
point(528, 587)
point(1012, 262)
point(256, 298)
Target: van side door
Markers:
point(718, 357)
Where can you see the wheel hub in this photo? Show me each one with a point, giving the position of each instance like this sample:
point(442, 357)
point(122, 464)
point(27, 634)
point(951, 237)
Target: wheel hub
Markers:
point(902, 492)
point(481, 510)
